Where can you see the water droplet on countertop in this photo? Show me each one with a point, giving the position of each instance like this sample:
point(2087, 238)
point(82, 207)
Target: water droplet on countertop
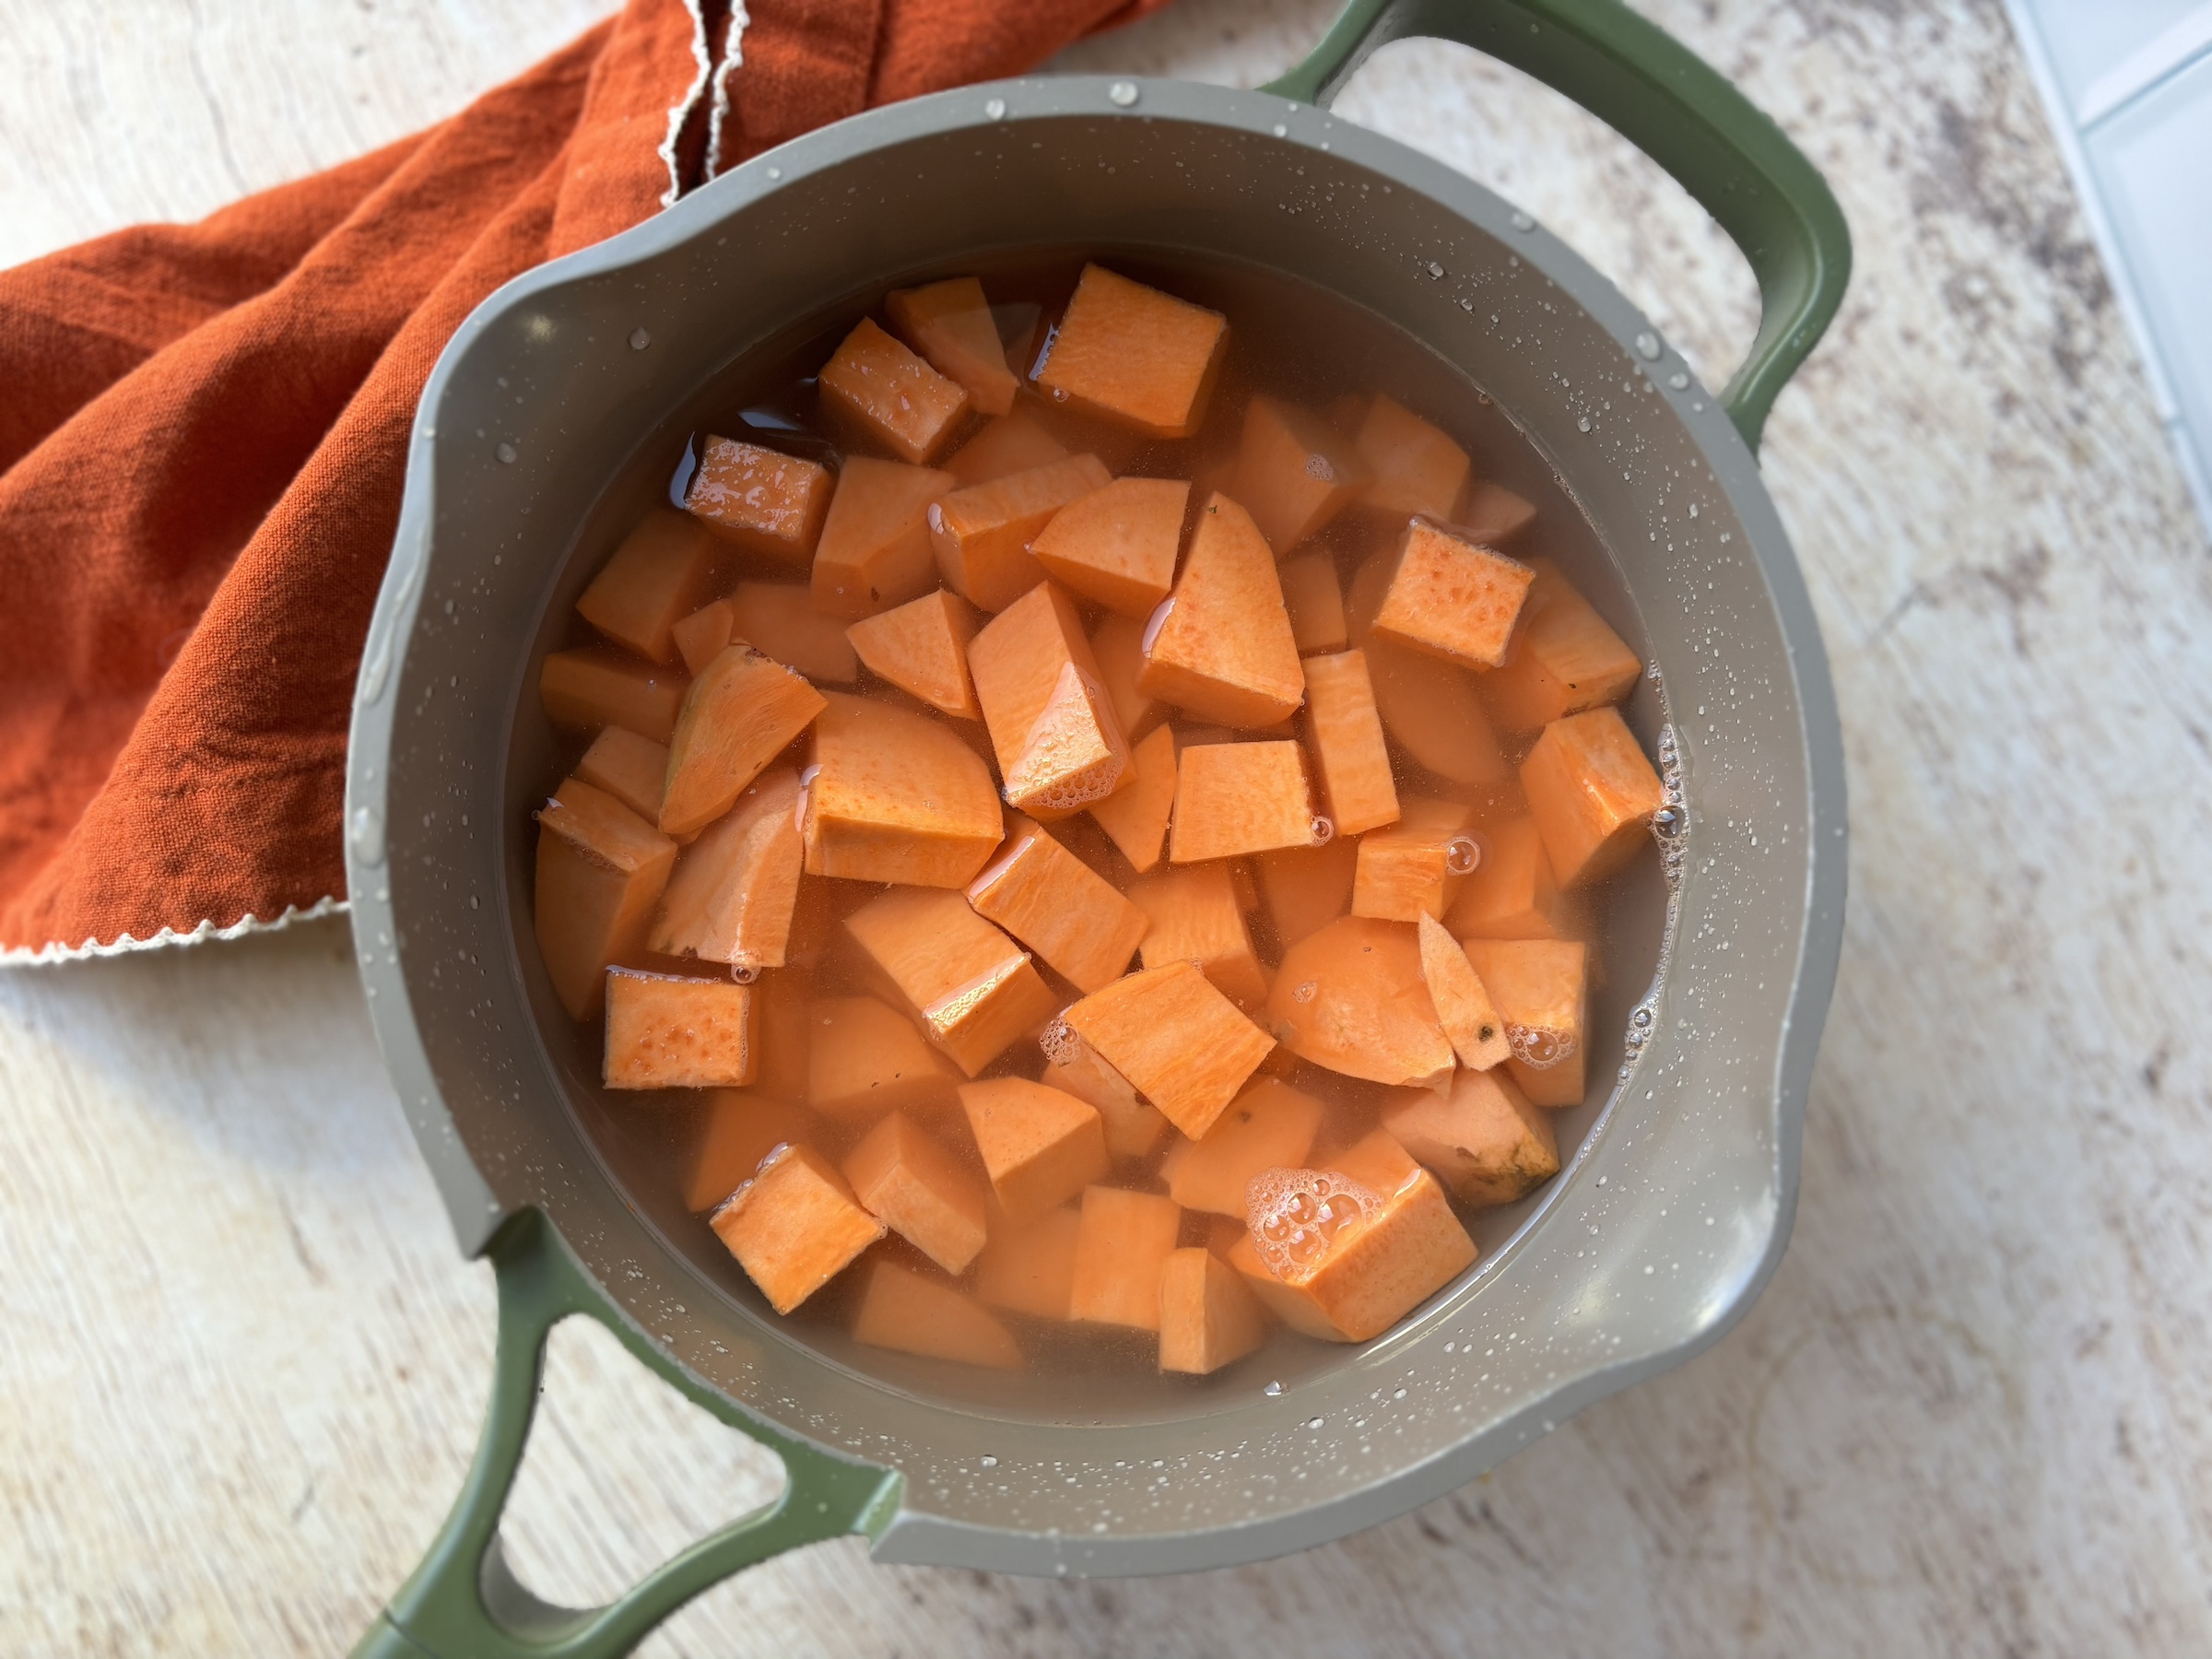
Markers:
point(1584, 424)
point(1123, 93)
point(1271, 1389)
point(995, 109)
point(366, 834)
point(1647, 344)
point(1435, 269)
point(640, 339)
point(1678, 381)
point(1314, 1422)
point(988, 1461)
point(775, 172)
point(1523, 223)
point(1281, 131)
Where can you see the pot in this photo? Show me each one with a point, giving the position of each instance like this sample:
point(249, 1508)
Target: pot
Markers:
point(530, 456)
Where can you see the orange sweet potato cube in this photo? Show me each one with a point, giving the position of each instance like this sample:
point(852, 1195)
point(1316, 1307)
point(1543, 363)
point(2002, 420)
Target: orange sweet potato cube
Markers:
point(1293, 1306)
point(795, 1226)
point(666, 1032)
point(950, 324)
point(1315, 602)
point(1076, 754)
point(1051, 729)
point(1565, 659)
point(1464, 1006)
point(777, 618)
point(912, 1313)
point(1041, 1145)
point(1379, 1267)
point(1122, 1241)
point(600, 870)
point(904, 1177)
point(705, 634)
point(896, 797)
point(1059, 907)
point(874, 550)
point(1134, 355)
point(1431, 710)
point(878, 388)
point(1294, 471)
point(1223, 647)
point(633, 770)
point(1511, 894)
point(737, 716)
point(1376, 1160)
point(1234, 798)
point(1541, 987)
point(863, 1057)
point(1484, 1140)
point(1453, 598)
point(1009, 444)
point(651, 581)
point(1414, 868)
point(1591, 793)
point(759, 500)
point(922, 648)
point(1208, 1316)
point(1182, 1043)
point(1137, 814)
point(974, 989)
point(582, 690)
point(1307, 888)
point(1118, 545)
point(1117, 644)
point(1414, 468)
point(1351, 997)
point(734, 889)
point(1030, 1268)
point(1346, 733)
point(1195, 918)
point(742, 1127)
point(1270, 1125)
point(1492, 514)
point(780, 1011)
point(981, 534)
point(1072, 1066)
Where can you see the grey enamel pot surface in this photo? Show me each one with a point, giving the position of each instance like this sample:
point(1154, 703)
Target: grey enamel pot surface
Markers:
point(531, 454)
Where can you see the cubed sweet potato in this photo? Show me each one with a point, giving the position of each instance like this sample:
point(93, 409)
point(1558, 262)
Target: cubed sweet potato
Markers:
point(1270, 1126)
point(737, 717)
point(874, 551)
point(1492, 514)
point(795, 1226)
point(1009, 444)
point(734, 890)
point(1350, 996)
point(950, 325)
point(1181, 1041)
point(1041, 1146)
point(1464, 1006)
point(1370, 1272)
point(1118, 545)
point(1541, 987)
point(585, 689)
point(905, 1178)
point(1565, 659)
point(1053, 730)
point(1234, 798)
point(667, 1032)
point(780, 1002)
point(981, 534)
point(653, 579)
point(1346, 733)
point(1376, 1160)
point(633, 770)
point(911, 1314)
point(1312, 596)
point(1122, 1241)
point(780, 619)
point(876, 388)
point(1591, 793)
point(1413, 466)
point(1137, 814)
point(600, 870)
point(1059, 907)
point(896, 796)
point(1195, 917)
point(1030, 1268)
point(1117, 644)
point(1294, 471)
point(1453, 598)
point(922, 648)
point(1414, 868)
point(758, 500)
point(1208, 1316)
point(1292, 1305)
point(1076, 755)
point(1143, 358)
point(1484, 1140)
point(1133, 1127)
point(1222, 647)
point(1511, 894)
point(742, 1126)
point(973, 987)
point(865, 1058)
point(705, 634)
point(1306, 887)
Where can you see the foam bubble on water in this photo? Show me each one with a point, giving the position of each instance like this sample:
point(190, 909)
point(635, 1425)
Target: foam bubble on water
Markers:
point(745, 973)
point(1462, 854)
point(1295, 1215)
point(1060, 1043)
point(1323, 830)
point(1539, 1047)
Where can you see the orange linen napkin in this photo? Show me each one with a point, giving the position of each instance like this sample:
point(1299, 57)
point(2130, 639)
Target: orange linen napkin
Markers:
point(202, 433)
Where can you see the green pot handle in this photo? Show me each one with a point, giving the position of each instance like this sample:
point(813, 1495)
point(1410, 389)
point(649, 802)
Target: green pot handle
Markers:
point(1668, 103)
point(464, 1603)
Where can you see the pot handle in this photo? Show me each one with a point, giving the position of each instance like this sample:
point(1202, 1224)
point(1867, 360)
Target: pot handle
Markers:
point(1672, 105)
point(464, 1602)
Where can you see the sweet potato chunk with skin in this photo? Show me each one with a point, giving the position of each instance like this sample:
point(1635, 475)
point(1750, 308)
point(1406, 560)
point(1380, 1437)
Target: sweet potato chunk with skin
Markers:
point(1294, 472)
point(879, 388)
point(896, 797)
point(1541, 987)
point(1059, 907)
point(1041, 1145)
point(1270, 1126)
point(666, 1032)
point(950, 325)
point(1463, 1006)
point(734, 891)
point(1195, 918)
point(737, 717)
point(1012, 444)
point(1591, 793)
point(743, 1126)
point(1407, 871)
point(1414, 468)
point(600, 870)
point(780, 619)
point(911, 1314)
point(1018, 662)
point(973, 987)
point(1511, 894)
point(1182, 1043)
point(1234, 798)
point(865, 1057)
point(1209, 1317)
point(651, 581)
point(904, 1177)
point(1306, 887)
point(982, 535)
point(1566, 659)
point(1133, 1128)
point(1030, 1268)
point(1134, 355)
point(1137, 814)
point(1369, 1274)
point(583, 690)
point(759, 500)
point(922, 648)
point(1346, 733)
point(1118, 545)
point(874, 551)
point(633, 770)
point(795, 1226)
point(1122, 1241)
point(1452, 598)
point(1223, 647)
point(1316, 604)
point(1492, 513)
point(1484, 1140)
point(1351, 997)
